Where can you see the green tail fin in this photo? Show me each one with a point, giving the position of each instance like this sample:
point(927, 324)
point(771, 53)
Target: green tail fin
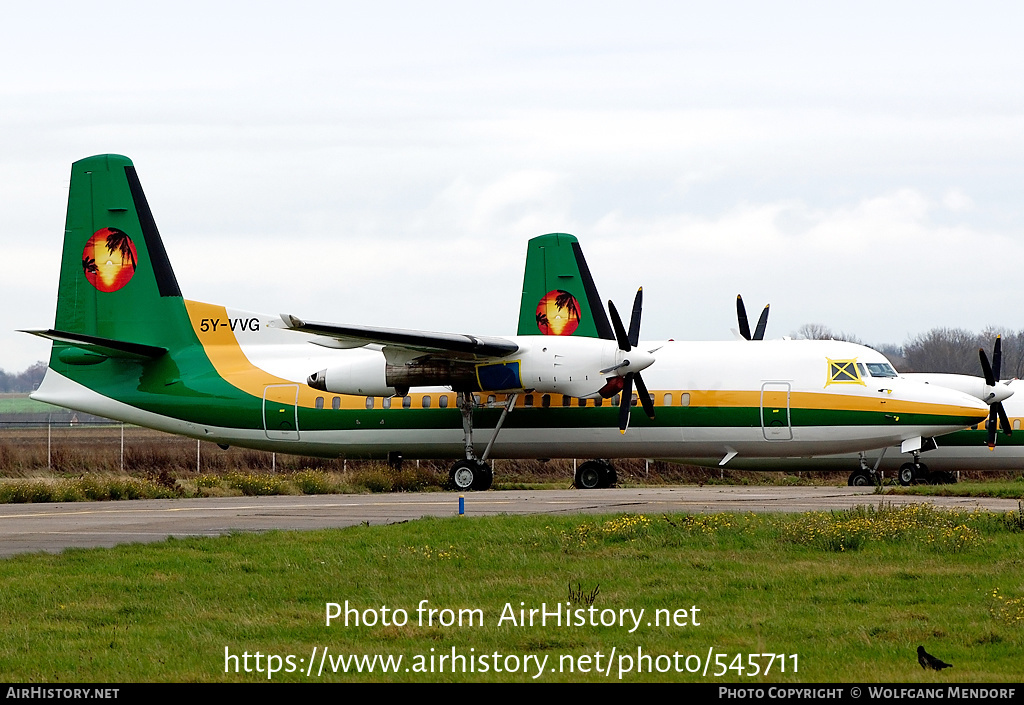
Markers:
point(559, 296)
point(117, 288)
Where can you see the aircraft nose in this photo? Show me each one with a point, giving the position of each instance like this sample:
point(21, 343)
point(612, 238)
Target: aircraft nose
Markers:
point(948, 407)
point(961, 404)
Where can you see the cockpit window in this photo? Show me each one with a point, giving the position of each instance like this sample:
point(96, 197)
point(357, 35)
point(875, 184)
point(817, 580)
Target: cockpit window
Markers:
point(843, 372)
point(881, 369)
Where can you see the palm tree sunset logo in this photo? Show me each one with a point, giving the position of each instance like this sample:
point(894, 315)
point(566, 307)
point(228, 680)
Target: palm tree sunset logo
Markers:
point(558, 313)
point(109, 259)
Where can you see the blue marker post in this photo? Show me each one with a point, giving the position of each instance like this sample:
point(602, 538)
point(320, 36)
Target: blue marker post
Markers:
point(462, 505)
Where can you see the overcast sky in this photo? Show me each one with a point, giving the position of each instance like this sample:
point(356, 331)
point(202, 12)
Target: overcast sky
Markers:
point(859, 165)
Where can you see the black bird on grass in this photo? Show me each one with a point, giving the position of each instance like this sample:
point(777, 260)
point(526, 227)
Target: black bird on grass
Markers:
point(928, 661)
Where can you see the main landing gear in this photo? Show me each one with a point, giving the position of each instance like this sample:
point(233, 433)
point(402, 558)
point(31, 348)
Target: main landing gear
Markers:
point(470, 474)
point(474, 473)
point(918, 472)
point(594, 474)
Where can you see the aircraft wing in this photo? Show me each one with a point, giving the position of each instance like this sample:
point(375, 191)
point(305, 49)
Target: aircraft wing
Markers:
point(455, 345)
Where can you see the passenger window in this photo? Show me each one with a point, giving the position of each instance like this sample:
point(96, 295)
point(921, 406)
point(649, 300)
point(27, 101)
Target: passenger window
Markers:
point(667, 400)
point(684, 399)
point(566, 400)
point(386, 402)
point(336, 403)
point(582, 402)
point(545, 401)
point(319, 402)
point(491, 399)
point(425, 402)
point(1016, 424)
point(369, 402)
point(528, 400)
point(634, 399)
point(598, 402)
point(406, 402)
point(442, 401)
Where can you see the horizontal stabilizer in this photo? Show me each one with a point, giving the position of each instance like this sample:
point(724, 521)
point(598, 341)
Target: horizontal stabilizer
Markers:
point(421, 341)
point(102, 346)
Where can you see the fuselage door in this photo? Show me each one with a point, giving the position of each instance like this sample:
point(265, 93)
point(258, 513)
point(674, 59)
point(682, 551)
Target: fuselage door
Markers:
point(280, 412)
point(775, 411)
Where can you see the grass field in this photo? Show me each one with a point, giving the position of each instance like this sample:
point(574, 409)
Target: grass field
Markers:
point(11, 403)
point(1007, 489)
point(850, 594)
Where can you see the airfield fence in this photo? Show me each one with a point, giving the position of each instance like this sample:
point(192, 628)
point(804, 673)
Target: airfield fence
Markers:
point(61, 446)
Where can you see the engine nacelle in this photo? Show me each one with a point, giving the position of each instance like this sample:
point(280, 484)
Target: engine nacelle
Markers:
point(366, 376)
point(569, 366)
point(546, 364)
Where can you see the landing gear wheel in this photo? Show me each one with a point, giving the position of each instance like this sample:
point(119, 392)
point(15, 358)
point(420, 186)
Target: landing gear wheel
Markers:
point(588, 475)
point(463, 475)
point(941, 477)
point(860, 478)
point(921, 473)
point(907, 473)
point(608, 475)
point(484, 477)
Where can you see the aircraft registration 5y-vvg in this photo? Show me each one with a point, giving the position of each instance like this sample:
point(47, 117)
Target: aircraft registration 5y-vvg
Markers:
point(128, 346)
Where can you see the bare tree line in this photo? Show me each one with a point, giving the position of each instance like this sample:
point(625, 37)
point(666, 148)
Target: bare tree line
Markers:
point(940, 349)
point(24, 381)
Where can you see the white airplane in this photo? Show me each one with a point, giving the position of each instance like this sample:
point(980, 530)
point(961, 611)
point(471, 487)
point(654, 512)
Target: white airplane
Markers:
point(128, 346)
point(968, 449)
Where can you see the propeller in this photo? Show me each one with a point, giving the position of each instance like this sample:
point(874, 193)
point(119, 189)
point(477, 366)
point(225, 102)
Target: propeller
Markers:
point(995, 409)
point(629, 368)
point(762, 322)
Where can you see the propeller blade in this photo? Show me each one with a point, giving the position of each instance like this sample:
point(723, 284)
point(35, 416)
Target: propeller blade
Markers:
point(620, 332)
point(624, 402)
point(1004, 420)
point(986, 368)
point(645, 397)
point(762, 323)
point(634, 319)
point(626, 342)
point(741, 315)
point(990, 426)
point(997, 358)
